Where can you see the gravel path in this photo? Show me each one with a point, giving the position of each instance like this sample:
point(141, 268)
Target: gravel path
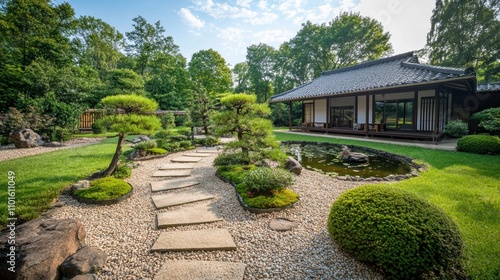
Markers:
point(10, 152)
point(126, 231)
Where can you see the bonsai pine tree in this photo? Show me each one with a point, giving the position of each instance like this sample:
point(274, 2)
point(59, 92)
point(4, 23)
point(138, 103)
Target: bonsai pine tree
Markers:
point(242, 116)
point(132, 121)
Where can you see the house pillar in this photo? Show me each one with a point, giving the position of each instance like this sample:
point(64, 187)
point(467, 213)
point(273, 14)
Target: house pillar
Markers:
point(436, 111)
point(290, 115)
point(415, 111)
point(356, 110)
point(327, 114)
point(367, 113)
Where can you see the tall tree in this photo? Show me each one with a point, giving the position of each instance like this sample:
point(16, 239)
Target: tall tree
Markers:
point(169, 83)
point(240, 76)
point(97, 44)
point(210, 70)
point(464, 33)
point(146, 41)
point(261, 71)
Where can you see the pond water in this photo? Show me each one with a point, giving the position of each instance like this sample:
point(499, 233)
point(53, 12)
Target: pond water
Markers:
point(324, 158)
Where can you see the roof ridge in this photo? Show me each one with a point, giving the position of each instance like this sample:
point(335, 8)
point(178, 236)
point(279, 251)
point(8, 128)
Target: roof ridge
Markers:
point(448, 70)
point(368, 63)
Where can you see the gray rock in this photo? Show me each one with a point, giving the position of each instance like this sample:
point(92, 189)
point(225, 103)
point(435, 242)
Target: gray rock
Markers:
point(270, 163)
point(86, 260)
point(52, 144)
point(282, 224)
point(347, 155)
point(415, 174)
point(85, 277)
point(25, 138)
point(82, 184)
point(41, 246)
point(293, 165)
point(58, 204)
point(140, 139)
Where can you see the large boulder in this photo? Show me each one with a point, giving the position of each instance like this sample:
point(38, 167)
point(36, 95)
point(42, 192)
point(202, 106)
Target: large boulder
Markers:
point(140, 139)
point(347, 155)
point(293, 165)
point(25, 138)
point(41, 246)
point(86, 260)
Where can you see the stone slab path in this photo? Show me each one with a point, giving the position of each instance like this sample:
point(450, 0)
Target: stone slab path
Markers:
point(186, 159)
point(179, 198)
point(196, 214)
point(194, 240)
point(208, 151)
point(174, 166)
point(197, 155)
point(201, 270)
point(172, 173)
point(173, 184)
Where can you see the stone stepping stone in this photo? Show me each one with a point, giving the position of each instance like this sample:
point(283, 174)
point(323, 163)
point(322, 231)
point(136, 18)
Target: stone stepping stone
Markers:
point(196, 155)
point(208, 151)
point(194, 240)
point(173, 184)
point(179, 198)
point(172, 173)
point(282, 224)
point(186, 159)
point(192, 215)
point(201, 270)
point(175, 166)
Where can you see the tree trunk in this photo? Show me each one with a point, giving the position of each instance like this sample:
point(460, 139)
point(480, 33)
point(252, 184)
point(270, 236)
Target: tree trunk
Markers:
point(116, 157)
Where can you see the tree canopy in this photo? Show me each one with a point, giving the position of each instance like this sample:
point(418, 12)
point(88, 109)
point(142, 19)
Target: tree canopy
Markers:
point(464, 33)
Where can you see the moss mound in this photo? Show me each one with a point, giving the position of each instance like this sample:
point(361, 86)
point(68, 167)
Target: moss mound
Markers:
point(404, 235)
point(104, 189)
point(479, 144)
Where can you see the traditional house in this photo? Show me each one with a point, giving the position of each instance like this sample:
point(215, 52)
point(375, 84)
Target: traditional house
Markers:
point(394, 96)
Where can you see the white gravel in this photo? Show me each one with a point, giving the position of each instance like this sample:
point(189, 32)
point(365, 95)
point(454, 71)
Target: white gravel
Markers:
point(10, 152)
point(126, 231)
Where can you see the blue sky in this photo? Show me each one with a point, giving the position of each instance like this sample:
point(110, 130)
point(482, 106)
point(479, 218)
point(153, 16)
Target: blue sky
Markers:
point(230, 26)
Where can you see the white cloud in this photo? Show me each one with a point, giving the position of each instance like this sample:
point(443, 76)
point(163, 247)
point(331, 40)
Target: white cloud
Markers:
point(273, 37)
point(239, 12)
point(231, 34)
point(407, 21)
point(191, 19)
point(262, 5)
point(244, 3)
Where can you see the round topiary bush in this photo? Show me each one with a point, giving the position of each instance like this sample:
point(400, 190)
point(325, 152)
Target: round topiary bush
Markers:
point(104, 189)
point(456, 128)
point(404, 235)
point(479, 144)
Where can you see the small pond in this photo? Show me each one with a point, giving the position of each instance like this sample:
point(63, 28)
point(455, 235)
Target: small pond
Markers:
point(324, 157)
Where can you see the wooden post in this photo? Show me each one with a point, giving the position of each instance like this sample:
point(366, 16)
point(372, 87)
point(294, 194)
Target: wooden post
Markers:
point(415, 111)
point(436, 111)
point(367, 113)
point(327, 114)
point(356, 110)
point(290, 115)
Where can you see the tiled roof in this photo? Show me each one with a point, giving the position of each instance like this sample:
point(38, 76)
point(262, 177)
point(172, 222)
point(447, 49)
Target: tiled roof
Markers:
point(489, 87)
point(399, 70)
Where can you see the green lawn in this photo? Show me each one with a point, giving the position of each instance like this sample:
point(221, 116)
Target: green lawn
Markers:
point(40, 179)
point(466, 186)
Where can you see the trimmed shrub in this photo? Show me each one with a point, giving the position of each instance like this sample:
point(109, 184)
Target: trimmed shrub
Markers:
point(234, 173)
point(456, 128)
point(122, 171)
point(162, 134)
point(104, 189)
point(406, 236)
point(207, 141)
point(177, 138)
point(279, 198)
point(100, 126)
point(231, 159)
point(186, 131)
point(156, 151)
point(167, 121)
point(265, 180)
point(489, 119)
point(185, 144)
point(172, 147)
point(479, 144)
point(145, 145)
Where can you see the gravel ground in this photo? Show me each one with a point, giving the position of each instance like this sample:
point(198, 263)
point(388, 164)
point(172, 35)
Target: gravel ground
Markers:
point(126, 231)
point(10, 152)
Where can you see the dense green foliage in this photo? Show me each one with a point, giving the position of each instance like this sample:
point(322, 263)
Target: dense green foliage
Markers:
point(241, 116)
point(167, 121)
point(464, 185)
point(380, 225)
point(105, 189)
point(156, 151)
point(224, 159)
point(479, 144)
point(265, 180)
point(489, 119)
point(122, 171)
point(450, 40)
point(145, 145)
point(456, 128)
point(171, 141)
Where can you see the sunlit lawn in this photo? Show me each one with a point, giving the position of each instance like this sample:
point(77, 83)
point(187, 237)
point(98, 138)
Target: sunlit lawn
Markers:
point(466, 186)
